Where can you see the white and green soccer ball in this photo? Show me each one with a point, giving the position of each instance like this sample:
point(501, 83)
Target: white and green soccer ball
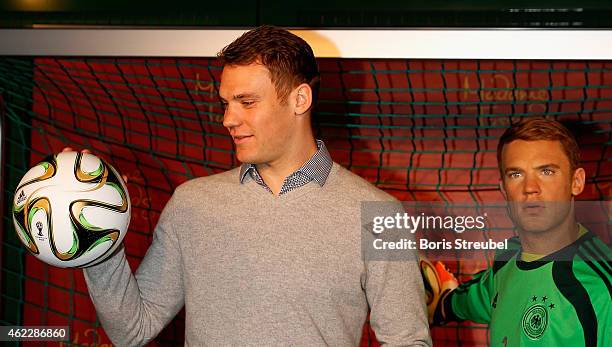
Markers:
point(71, 210)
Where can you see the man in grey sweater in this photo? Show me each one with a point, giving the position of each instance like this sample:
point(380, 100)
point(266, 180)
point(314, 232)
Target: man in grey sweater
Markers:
point(269, 253)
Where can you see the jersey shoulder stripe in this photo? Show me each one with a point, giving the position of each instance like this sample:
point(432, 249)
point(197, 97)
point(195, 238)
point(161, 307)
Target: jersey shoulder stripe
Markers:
point(595, 254)
point(598, 248)
point(589, 253)
point(598, 271)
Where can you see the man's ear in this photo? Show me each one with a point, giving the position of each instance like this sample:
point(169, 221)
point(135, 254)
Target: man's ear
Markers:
point(578, 181)
point(303, 99)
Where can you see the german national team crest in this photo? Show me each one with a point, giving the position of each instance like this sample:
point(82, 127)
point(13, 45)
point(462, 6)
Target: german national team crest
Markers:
point(535, 318)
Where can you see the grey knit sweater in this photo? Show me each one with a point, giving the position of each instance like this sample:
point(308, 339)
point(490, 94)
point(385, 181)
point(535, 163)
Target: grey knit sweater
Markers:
point(252, 268)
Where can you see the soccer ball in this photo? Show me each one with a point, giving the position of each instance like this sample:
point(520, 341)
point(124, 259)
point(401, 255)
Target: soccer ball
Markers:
point(71, 210)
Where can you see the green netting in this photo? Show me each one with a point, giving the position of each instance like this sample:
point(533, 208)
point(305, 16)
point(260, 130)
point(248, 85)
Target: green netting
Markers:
point(424, 130)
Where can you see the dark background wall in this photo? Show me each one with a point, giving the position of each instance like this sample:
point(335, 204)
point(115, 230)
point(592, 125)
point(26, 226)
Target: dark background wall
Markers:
point(314, 13)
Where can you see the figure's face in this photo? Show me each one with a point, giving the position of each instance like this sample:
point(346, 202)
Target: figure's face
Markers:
point(260, 125)
point(538, 183)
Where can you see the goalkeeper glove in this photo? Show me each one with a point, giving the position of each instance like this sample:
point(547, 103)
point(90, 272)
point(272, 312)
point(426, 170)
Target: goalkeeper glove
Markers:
point(439, 282)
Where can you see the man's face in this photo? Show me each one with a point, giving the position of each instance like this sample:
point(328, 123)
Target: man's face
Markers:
point(259, 124)
point(539, 184)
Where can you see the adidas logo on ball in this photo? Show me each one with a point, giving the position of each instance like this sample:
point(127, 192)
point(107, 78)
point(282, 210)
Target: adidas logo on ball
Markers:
point(21, 197)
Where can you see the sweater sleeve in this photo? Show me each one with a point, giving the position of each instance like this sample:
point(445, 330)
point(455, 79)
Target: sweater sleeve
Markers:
point(395, 292)
point(133, 309)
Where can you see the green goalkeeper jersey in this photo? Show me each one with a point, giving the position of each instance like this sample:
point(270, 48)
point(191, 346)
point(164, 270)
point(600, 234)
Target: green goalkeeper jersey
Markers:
point(548, 302)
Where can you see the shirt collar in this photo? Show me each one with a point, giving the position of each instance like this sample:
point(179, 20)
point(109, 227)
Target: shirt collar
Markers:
point(317, 168)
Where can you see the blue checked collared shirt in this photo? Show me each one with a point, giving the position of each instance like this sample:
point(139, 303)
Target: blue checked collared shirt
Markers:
point(315, 169)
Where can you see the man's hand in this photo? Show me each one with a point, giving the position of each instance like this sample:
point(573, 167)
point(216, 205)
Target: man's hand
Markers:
point(439, 282)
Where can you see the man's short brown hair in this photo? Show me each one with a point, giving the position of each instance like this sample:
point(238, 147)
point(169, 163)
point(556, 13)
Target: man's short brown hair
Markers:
point(536, 129)
point(288, 57)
